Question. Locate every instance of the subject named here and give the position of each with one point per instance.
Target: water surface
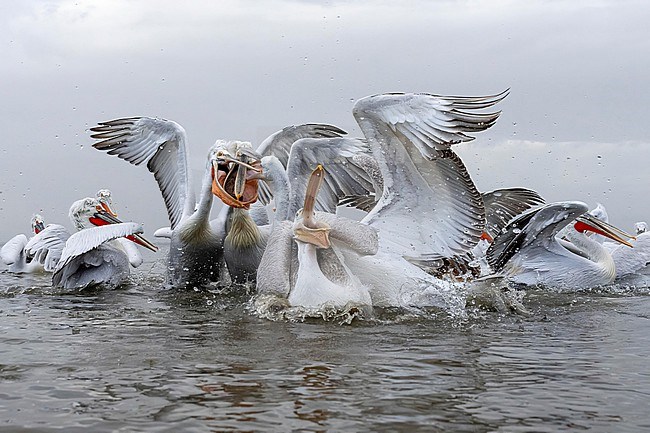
(142, 358)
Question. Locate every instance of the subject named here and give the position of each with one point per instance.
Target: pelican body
(428, 208)
(196, 246)
(548, 247)
(302, 265)
(13, 252)
(91, 256)
(283, 164)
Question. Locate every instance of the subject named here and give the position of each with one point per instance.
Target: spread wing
(533, 233)
(47, 246)
(162, 145)
(85, 240)
(502, 205)
(430, 207)
(13, 250)
(344, 177)
(279, 145)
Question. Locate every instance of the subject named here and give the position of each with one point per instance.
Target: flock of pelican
(428, 237)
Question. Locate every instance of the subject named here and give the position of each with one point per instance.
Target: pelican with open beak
(92, 255)
(235, 173)
(588, 223)
(104, 215)
(549, 247)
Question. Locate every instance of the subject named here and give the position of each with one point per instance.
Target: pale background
(574, 126)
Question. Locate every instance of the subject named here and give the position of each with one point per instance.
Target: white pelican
(429, 207)
(298, 148)
(196, 246)
(547, 246)
(87, 257)
(632, 264)
(13, 252)
(130, 248)
(301, 266)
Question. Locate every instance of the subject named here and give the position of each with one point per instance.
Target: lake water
(146, 359)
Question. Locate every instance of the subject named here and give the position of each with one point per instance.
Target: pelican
(13, 252)
(547, 246)
(90, 256)
(632, 264)
(302, 266)
(283, 163)
(429, 208)
(130, 248)
(196, 246)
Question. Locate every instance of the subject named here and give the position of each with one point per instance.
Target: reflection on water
(143, 358)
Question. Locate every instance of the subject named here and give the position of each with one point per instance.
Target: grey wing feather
(47, 246)
(502, 205)
(279, 143)
(162, 145)
(430, 122)
(536, 227)
(343, 176)
(411, 135)
(85, 240)
(366, 202)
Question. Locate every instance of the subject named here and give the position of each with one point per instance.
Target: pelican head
(586, 222)
(89, 212)
(306, 228)
(599, 212)
(38, 224)
(105, 200)
(235, 172)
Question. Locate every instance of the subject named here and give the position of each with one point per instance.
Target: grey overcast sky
(575, 126)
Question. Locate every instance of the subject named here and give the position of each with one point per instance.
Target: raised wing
(13, 251)
(162, 145)
(279, 145)
(47, 246)
(85, 240)
(502, 205)
(366, 202)
(343, 178)
(534, 232)
(430, 208)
